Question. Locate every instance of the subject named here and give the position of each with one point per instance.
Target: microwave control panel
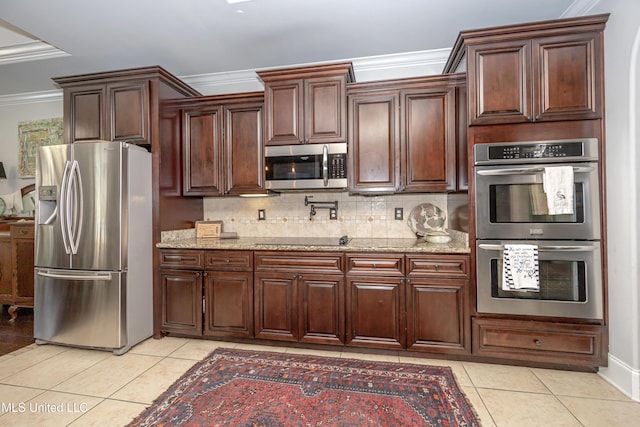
(338, 170)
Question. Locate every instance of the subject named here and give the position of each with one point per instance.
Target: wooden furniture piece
(228, 294)
(222, 144)
(543, 71)
(299, 296)
(306, 105)
(417, 302)
(129, 105)
(375, 300)
(17, 266)
(533, 82)
(404, 135)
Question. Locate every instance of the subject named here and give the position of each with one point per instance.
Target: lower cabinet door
(321, 308)
(182, 301)
(228, 304)
(275, 307)
(436, 316)
(375, 312)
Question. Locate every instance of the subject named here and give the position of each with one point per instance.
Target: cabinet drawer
(298, 262)
(438, 266)
(187, 259)
(376, 264)
(538, 341)
(229, 260)
(22, 231)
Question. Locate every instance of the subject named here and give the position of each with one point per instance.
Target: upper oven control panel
(537, 151)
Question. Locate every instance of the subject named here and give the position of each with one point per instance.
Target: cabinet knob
(537, 342)
(538, 117)
(373, 265)
(530, 118)
(437, 267)
(228, 261)
(23, 231)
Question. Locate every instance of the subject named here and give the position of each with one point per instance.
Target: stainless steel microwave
(306, 166)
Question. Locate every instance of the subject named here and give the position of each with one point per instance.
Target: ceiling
(41, 39)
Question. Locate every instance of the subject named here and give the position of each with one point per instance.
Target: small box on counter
(208, 229)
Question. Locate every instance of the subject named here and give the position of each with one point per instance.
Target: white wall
(622, 83)
(12, 112)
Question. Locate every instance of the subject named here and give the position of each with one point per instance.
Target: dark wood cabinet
(228, 294)
(299, 297)
(437, 304)
(544, 71)
(534, 341)
(16, 267)
(181, 291)
(222, 145)
(181, 301)
(306, 105)
(374, 149)
(276, 306)
(207, 293)
(117, 111)
(428, 135)
(375, 300)
(403, 135)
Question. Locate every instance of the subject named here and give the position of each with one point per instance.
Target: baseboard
(623, 377)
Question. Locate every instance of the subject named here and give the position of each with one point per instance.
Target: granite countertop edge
(354, 245)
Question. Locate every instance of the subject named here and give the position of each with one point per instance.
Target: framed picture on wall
(33, 134)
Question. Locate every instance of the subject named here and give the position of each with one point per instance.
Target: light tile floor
(50, 385)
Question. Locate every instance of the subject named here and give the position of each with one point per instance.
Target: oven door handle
(527, 171)
(564, 248)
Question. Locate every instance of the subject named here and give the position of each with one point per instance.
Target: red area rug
(248, 388)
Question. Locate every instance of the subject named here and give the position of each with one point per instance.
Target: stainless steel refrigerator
(93, 245)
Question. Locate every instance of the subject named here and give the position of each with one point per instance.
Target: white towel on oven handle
(520, 269)
(557, 182)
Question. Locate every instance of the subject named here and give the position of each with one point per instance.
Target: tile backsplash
(358, 216)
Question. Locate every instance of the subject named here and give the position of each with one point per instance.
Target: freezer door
(51, 170)
(80, 308)
(97, 223)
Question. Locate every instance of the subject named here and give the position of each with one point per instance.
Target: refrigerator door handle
(76, 216)
(64, 207)
(95, 277)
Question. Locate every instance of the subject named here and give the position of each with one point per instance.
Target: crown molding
(400, 65)
(579, 8)
(31, 51)
(31, 98)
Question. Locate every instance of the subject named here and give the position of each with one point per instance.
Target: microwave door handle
(568, 248)
(527, 171)
(325, 164)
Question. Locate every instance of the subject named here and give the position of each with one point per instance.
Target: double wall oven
(511, 211)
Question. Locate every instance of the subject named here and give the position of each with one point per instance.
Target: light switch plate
(333, 213)
(261, 215)
(398, 214)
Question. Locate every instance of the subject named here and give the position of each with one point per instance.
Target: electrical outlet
(261, 215)
(398, 214)
(333, 213)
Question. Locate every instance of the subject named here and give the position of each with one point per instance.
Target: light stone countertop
(456, 246)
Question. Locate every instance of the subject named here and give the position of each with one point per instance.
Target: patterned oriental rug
(264, 389)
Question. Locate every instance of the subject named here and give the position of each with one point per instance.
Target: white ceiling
(194, 37)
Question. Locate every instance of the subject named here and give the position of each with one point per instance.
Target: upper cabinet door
(566, 68)
(201, 156)
(500, 82)
(129, 103)
(374, 149)
(284, 101)
(85, 113)
(428, 133)
(325, 110)
(244, 171)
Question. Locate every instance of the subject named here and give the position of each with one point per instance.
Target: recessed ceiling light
(237, 1)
